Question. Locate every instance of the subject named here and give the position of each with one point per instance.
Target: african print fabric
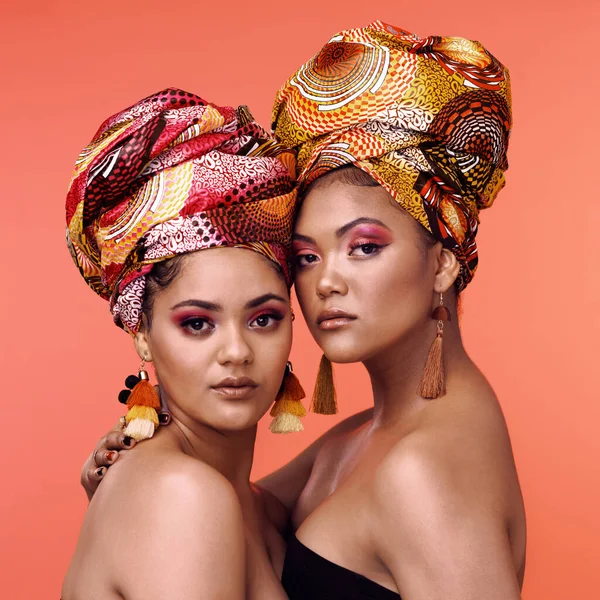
(169, 175)
(429, 119)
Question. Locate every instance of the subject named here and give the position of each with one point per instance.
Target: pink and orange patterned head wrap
(169, 175)
(429, 119)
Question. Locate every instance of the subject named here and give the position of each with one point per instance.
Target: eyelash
(270, 315)
(187, 324)
(299, 258)
(377, 248)
(359, 244)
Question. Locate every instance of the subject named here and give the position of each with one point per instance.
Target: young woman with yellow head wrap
(400, 142)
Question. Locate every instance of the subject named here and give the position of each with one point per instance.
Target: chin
(343, 349)
(234, 424)
(235, 417)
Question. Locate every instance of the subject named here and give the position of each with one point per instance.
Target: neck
(229, 452)
(396, 372)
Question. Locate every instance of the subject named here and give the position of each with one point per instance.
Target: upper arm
(440, 528)
(187, 541)
(287, 483)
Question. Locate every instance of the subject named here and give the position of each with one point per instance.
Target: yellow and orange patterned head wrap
(169, 175)
(429, 119)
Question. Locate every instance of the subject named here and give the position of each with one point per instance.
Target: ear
(447, 271)
(142, 344)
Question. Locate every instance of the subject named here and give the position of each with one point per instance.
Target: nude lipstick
(334, 318)
(235, 387)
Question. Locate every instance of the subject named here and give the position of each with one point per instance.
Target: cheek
(391, 293)
(397, 275)
(306, 292)
(272, 351)
(301, 288)
(398, 289)
(179, 361)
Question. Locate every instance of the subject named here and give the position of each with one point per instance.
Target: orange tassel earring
(433, 382)
(288, 410)
(324, 401)
(142, 402)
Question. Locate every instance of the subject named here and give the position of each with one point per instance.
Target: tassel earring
(142, 402)
(324, 401)
(433, 382)
(288, 409)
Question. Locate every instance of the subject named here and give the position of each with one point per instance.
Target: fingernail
(164, 418)
(127, 440)
(100, 472)
(110, 456)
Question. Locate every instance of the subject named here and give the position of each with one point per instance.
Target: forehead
(228, 276)
(333, 204)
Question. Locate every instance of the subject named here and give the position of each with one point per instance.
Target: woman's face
(220, 337)
(365, 273)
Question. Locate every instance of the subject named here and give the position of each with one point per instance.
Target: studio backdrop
(531, 317)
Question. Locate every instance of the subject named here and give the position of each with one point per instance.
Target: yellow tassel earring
(433, 382)
(142, 402)
(288, 410)
(324, 401)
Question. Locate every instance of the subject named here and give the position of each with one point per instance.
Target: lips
(334, 318)
(235, 387)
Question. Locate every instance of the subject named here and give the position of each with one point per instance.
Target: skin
(441, 513)
(180, 511)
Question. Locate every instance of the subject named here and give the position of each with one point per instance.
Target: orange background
(530, 316)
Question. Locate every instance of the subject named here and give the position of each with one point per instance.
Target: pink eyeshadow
(372, 232)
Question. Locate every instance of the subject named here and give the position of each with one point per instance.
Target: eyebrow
(343, 229)
(264, 298)
(199, 304)
(213, 306)
(302, 238)
(360, 221)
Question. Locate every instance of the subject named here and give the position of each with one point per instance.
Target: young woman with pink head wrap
(180, 214)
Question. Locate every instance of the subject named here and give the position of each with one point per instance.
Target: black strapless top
(308, 576)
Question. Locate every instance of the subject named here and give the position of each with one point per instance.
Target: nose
(330, 281)
(234, 349)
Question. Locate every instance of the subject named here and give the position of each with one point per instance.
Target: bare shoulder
(449, 490)
(189, 496)
(173, 492)
(171, 520)
(186, 474)
(460, 447)
(187, 518)
(160, 480)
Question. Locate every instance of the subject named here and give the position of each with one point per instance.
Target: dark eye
(369, 248)
(303, 260)
(365, 249)
(266, 320)
(263, 320)
(196, 325)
